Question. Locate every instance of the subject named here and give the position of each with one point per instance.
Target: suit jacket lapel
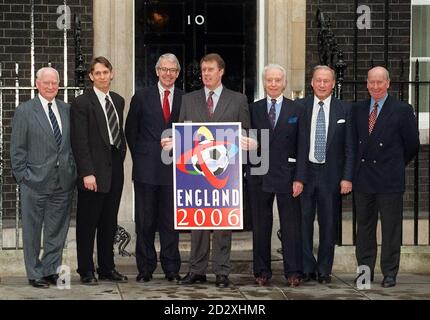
(43, 120)
(283, 116)
(262, 108)
(175, 107)
(222, 104)
(100, 116)
(155, 101)
(64, 122)
(309, 106)
(201, 105)
(333, 116)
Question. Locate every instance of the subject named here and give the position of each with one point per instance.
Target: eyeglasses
(165, 70)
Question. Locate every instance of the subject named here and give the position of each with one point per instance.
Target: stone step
(415, 259)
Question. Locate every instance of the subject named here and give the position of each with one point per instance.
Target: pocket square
(292, 120)
(341, 121)
(291, 160)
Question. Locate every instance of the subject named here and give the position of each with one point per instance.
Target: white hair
(276, 66)
(41, 72)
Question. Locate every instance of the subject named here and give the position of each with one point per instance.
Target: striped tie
(113, 123)
(55, 127)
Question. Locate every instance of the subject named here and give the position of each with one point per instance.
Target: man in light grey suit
(43, 166)
(213, 103)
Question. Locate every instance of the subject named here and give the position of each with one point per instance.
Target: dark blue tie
(55, 127)
(272, 113)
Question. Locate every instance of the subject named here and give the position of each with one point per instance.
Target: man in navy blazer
(282, 120)
(330, 170)
(152, 110)
(387, 137)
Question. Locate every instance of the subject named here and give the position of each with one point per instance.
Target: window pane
(424, 90)
(420, 34)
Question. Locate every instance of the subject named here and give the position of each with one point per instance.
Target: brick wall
(15, 31)
(370, 42)
(370, 48)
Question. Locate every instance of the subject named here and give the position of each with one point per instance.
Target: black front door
(192, 28)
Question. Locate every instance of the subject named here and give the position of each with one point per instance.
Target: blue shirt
(380, 104)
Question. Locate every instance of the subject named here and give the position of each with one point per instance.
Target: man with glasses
(152, 110)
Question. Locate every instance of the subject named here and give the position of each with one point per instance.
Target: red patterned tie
(210, 104)
(166, 106)
(372, 117)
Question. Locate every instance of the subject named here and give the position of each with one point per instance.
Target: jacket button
(374, 161)
(381, 144)
(360, 141)
(362, 160)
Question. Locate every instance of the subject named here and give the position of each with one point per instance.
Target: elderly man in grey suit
(213, 103)
(43, 166)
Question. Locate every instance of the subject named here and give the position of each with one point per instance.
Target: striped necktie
(113, 123)
(55, 126)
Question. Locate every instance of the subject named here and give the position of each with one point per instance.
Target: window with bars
(420, 51)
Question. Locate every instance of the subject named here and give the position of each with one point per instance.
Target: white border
(174, 125)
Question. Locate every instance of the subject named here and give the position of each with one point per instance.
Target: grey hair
(41, 71)
(386, 72)
(271, 66)
(323, 67)
(168, 56)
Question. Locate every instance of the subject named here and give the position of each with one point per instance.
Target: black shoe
(309, 276)
(38, 283)
(324, 278)
(51, 279)
(172, 276)
(143, 277)
(388, 282)
(89, 279)
(222, 281)
(113, 276)
(191, 278)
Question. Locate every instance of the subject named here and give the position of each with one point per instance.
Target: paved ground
(409, 287)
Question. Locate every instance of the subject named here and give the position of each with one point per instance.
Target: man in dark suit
(387, 139)
(282, 120)
(43, 166)
(213, 103)
(330, 171)
(99, 148)
(152, 111)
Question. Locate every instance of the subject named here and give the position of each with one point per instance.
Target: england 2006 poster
(207, 162)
